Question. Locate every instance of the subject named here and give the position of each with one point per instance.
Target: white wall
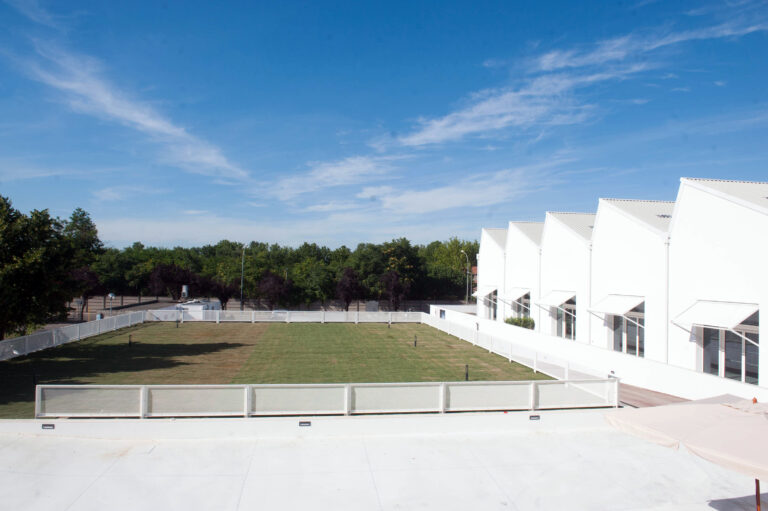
(599, 362)
(565, 266)
(719, 251)
(629, 258)
(490, 267)
(523, 258)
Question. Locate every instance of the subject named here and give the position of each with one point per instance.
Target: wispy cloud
(543, 101)
(35, 12)
(79, 79)
(621, 48)
(323, 175)
(124, 192)
(327, 207)
(547, 97)
(479, 190)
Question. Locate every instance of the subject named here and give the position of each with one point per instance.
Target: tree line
(46, 262)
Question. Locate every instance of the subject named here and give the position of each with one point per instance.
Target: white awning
(555, 298)
(617, 305)
(725, 315)
(484, 291)
(515, 293)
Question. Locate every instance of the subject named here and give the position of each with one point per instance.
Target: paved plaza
(565, 460)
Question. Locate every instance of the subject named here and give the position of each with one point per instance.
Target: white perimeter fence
(226, 316)
(144, 401)
(554, 366)
(19, 346)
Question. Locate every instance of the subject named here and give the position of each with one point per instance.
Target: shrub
(522, 322)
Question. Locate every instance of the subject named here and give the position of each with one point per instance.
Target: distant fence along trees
(46, 262)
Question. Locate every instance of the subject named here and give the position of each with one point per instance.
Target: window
(492, 302)
(628, 332)
(732, 354)
(442, 313)
(522, 306)
(565, 319)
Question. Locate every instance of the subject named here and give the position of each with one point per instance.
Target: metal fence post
(218, 316)
(390, 319)
(322, 318)
(181, 315)
(253, 316)
(143, 398)
(616, 392)
(443, 397)
(357, 317)
(38, 400)
(248, 401)
(347, 399)
(288, 316)
(533, 395)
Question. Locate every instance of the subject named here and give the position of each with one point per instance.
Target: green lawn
(253, 353)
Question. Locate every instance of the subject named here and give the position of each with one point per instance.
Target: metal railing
(146, 401)
(18, 346)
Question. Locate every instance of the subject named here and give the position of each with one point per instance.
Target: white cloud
(542, 102)
(720, 83)
(35, 12)
(194, 212)
(79, 78)
(124, 192)
(322, 175)
(623, 47)
(373, 192)
(326, 207)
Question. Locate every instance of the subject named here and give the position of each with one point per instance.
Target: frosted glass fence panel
(298, 399)
(88, 401)
(473, 396)
(576, 394)
(389, 397)
(191, 401)
(317, 399)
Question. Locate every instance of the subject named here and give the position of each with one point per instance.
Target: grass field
(252, 353)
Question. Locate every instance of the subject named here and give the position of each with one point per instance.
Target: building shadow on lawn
(77, 364)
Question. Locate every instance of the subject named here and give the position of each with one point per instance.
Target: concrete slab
(565, 460)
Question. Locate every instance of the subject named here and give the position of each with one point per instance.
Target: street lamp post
(242, 274)
(466, 300)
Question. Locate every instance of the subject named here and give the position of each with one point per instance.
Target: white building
(677, 283)
(565, 275)
(522, 283)
(490, 272)
(630, 255)
(719, 279)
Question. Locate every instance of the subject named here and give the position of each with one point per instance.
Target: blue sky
(182, 123)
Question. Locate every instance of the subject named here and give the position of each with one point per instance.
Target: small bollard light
(466, 372)
(130, 339)
(177, 323)
(415, 339)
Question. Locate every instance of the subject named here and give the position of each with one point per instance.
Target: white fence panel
(390, 398)
(88, 401)
(19, 346)
(195, 401)
(339, 316)
(318, 399)
(473, 396)
(298, 399)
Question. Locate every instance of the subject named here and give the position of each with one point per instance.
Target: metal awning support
(556, 299)
(617, 305)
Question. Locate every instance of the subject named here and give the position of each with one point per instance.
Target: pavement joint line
(373, 476)
(90, 485)
(247, 473)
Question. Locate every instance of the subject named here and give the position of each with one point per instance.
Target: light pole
(466, 300)
(242, 274)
